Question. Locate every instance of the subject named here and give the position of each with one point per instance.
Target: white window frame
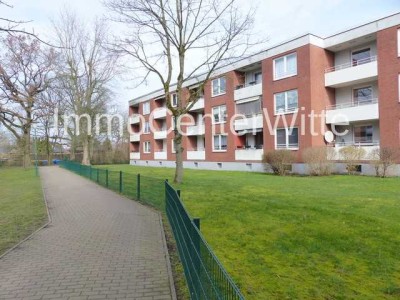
(398, 42)
(287, 110)
(218, 81)
(220, 115)
(398, 86)
(146, 147)
(286, 75)
(353, 99)
(219, 138)
(174, 100)
(146, 127)
(146, 108)
(287, 146)
(173, 148)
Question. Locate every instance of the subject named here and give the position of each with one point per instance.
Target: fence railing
(205, 275)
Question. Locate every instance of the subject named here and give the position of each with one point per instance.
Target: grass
(22, 209)
(335, 237)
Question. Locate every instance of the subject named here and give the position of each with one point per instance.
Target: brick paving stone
(99, 245)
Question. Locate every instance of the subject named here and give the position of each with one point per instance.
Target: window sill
(212, 96)
(287, 148)
(284, 77)
(286, 112)
(219, 151)
(217, 123)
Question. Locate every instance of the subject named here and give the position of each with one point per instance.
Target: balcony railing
(198, 129)
(353, 104)
(196, 154)
(252, 83)
(287, 146)
(134, 155)
(351, 64)
(359, 143)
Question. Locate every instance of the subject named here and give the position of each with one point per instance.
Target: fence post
(196, 222)
(138, 187)
(106, 177)
(120, 181)
(179, 193)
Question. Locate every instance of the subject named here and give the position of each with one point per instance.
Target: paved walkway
(99, 245)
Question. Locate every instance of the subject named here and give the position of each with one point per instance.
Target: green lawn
(22, 209)
(335, 237)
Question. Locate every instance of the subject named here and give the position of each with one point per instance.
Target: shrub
(278, 161)
(319, 160)
(352, 155)
(382, 159)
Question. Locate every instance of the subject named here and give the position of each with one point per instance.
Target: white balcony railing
(199, 105)
(195, 130)
(160, 155)
(160, 135)
(196, 154)
(351, 73)
(352, 112)
(249, 154)
(368, 146)
(248, 91)
(134, 155)
(249, 123)
(160, 113)
(135, 137)
(351, 64)
(134, 119)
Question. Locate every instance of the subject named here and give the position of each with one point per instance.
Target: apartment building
(289, 96)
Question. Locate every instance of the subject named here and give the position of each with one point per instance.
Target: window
(287, 138)
(146, 127)
(249, 108)
(360, 57)
(363, 134)
(218, 86)
(146, 108)
(146, 147)
(258, 77)
(219, 113)
(285, 66)
(286, 102)
(174, 100)
(220, 142)
(362, 95)
(173, 146)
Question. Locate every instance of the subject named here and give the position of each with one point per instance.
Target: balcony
(248, 91)
(195, 130)
(196, 155)
(160, 135)
(160, 155)
(134, 155)
(369, 147)
(160, 113)
(134, 119)
(351, 112)
(352, 73)
(249, 154)
(135, 137)
(199, 105)
(249, 123)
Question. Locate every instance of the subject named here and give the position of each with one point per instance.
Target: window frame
(359, 50)
(224, 120)
(286, 111)
(287, 144)
(174, 97)
(359, 88)
(173, 148)
(144, 147)
(146, 127)
(284, 57)
(364, 143)
(146, 108)
(219, 135)
(219, 86)
(398, 42)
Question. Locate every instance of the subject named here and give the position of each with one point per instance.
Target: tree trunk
(72, 149)
(86, 151)
(179, 161)
(26, 148)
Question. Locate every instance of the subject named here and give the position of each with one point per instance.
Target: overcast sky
(279, 20)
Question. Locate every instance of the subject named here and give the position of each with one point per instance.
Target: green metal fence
(205, 275)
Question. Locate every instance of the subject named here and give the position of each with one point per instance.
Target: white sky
(278, 20)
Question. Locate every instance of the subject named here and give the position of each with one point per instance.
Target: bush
(382, 159)
(352, 155)
(319, 160)
(278, 161)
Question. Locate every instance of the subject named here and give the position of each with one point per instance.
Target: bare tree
(26, 70)
(168, 37)
(84, 76)
(382, 159)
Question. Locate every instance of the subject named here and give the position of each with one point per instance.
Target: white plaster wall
(344, 56)
(345, 94)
